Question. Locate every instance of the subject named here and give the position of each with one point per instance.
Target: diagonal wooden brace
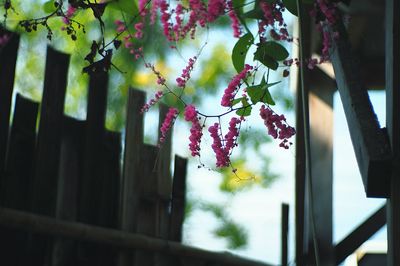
(370, 142)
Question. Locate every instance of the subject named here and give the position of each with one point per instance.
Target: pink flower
(139, 30)
(196, 133)
(185, 76)
(220, 153)
(231, 90)
(232, 135)
(215, 9)
(168, 122)
(152, 102)
(70, 12)
(120, 26)
(277, 126)
(235, 24)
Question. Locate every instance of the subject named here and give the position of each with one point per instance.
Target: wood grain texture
(370, 143)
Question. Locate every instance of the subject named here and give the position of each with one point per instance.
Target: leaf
(236, 101)
(266, 60)
(256, 13)
(245, 110)
(269, 53)
(240, 50)
(238, 6)
(274, 50)
(260, 93)
(49, 7)
(291, 6)
(128, 6)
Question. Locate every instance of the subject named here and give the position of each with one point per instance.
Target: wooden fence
(66, 174)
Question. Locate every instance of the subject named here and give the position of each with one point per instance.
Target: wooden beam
(393, 125)
(284, 233)
(370, 143)
(359, 235)
(115, 238)
(8, 60)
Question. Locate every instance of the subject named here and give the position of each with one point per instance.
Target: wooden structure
(358, 64)
(65, 199)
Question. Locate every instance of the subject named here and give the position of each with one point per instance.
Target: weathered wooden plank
(321, 134)
(370, 144)
(44, 187)
(284, 233)
(301, 207)
(164, 184)
(148, 208)
(178, 199)
(70, 172)
(164, 180)
(130, 184)
(359, 235)
(111, 237)
(392, 58)
(18, 176)
(91, 184)
(8, 60)
(177, 214)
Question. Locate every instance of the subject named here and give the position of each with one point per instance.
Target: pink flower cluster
(198, 14)
(235, 24)
(329, 11)
(273, 18)
(277, 126)
(232, 135)
(152, 102)
(168, 122)
(233, 86)
(196, 133)
(70, 12)
(185, 76)
(222, 152)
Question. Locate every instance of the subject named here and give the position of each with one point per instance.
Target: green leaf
(238, 6)
(245, 110)
(256, 13)
(260, 93)
(273, 49)
(269, 53)
(240, 50)
(128, 6)
(291, 6)
(266, 60)
(49, 7)
(236, 101)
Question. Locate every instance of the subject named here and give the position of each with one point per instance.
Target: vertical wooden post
(48, 146)
(130, 185)
(8, 60)
(318, 154)
(178, 199)
(321, 134)
(393, 126)
(93, 177)
(164, 184)
(284, 233)
(70, 172)
(15, 187)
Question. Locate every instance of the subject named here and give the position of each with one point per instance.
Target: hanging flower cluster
(277, 126)
(195, 130)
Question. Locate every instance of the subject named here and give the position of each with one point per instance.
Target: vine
(180, 20)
